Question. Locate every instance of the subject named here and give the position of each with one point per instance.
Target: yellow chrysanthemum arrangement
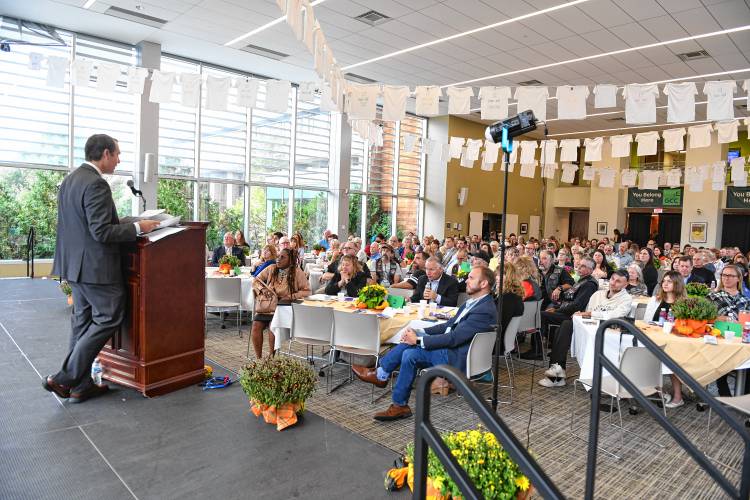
(494, 474)
(372, 295)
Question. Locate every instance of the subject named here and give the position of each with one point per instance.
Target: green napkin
(396, 301)
(723, 326)
(465, 266)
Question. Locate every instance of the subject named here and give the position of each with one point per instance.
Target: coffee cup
(341, 296)
(729, 336)
(667, 328)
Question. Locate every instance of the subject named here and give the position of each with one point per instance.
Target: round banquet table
(246, 292)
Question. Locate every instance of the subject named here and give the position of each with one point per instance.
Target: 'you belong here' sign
(738, 197)
(655, 198)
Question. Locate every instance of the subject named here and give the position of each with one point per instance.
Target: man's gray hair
(589, 262)
(548, 253)
(436, 261)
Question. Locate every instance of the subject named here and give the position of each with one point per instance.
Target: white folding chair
(354, 334)
(401, 292)
(479, 355)
(311, 326)
(224, 294)
(509, 340)
(531, 320)
(643, 369)
(739, 403)
(462, 298)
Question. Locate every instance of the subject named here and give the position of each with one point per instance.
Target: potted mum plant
(692, 316)
(372, 297)
(487, 464)
(65, 288)
(697, 289)
(229, 264)
(278, 388)
(317, 248)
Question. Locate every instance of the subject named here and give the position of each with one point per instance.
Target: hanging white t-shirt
(646, 143)
(362, 101)
(571, 102)
(217, 93)
(549, 150)
(320, 50)
(409, 142)
(161, 87)
(56, 69)
(491, 152)
(680, 101)
(472, 148)
(533, 98)
(136, 79)
(306, 91)
(640, 102)
(80, 72)
(35, 61)
(294, 17)
(650, 179)
(394, 102)
(673, 177)
(720, 96)
(494, 102)
(191, 89)
(607, 177)
(569, 149)
(428, 100)
(628, 177)
(456, 144)
(459, 100)
(107, 74)
(605, 95)
(528, 152)
(588, 173)
(593, 147)
(727, 131)
(528, 170)
(568, 173)
(247, 92)
(375, 133)
(700, 136)
(277, 95)
(621, 145)
(309, 36)
(466, 161)
(674, 139)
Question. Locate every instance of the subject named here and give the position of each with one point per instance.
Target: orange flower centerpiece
(277, 388)
(229, 264)
(692, 316)
(372, 297)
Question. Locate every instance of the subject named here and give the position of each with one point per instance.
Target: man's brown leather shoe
(50, 385)
(369, 375)
(394, 412)
(91, 392)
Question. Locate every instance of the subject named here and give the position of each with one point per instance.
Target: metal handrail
(601, 362)
(425, 435)
(30, 247)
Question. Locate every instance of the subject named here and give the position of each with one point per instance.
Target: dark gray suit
(87, 255)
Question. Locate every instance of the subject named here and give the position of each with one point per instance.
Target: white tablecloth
(246, 286)
(582, 347)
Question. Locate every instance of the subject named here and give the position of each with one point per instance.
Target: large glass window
(271, 139)
(177, 127)
(310, 209)
(176, 197)
(313, 145)
(268, 211)
(378, 216)
(222, 205)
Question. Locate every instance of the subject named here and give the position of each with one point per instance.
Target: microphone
(136, 192)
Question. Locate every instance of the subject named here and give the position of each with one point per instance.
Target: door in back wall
(578, 224)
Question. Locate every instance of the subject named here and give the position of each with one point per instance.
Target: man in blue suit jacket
(446, 343)
(224, 249)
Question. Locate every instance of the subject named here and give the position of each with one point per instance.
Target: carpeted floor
(645, 471)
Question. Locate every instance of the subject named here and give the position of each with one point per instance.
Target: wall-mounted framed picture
(698, 232)
(524, 228)
(601, 228)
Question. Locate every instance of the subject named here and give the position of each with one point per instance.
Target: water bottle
(746, 333)
(670, 316)
(96, 371)
(662, 316)
(713, 286)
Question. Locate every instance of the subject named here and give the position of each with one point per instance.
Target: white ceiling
(200, 28)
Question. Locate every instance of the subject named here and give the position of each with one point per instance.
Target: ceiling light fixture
(605, 54)
(88, 4)
(465, 33)
(264, 27)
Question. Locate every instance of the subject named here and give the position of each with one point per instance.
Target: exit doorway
(664, 227)
(578, 224)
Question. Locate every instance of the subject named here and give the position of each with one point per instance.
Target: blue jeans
(411, 359)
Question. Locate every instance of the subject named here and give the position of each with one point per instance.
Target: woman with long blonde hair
(528, 273)
(512, 295)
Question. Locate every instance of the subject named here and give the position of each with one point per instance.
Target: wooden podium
(160, 345)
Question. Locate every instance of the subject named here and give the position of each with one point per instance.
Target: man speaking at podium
(87, 255)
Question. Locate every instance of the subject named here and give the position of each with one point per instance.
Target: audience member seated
(604, 304)
(449, 251)
(434, 250)
(575, 299)
(445, 343)
(398, 249)
(298, 245)
(416, 271)
(284, 280)
(650, 274)
(528, 274)
(555, 279)
(227, 248)
(623, 258)
(635, 286)
(436, 286)
(348, 248)
(602, 271)
(685, 267)
(700, 272)
(513, 293)
(349, 277)
(267, 257)
(385, 269)
(462, 259)
(326, 238)
(239, 240)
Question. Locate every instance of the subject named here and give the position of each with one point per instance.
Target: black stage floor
(188, 444)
